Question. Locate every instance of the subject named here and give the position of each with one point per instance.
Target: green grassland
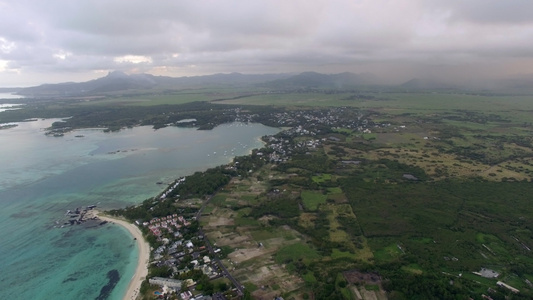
(321, 178)
(311, 199)
(292, 99)
(400, 103)
(168, 96)
(296, 252)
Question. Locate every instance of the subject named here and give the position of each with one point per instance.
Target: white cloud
(134, 59)
(6, 46)
(61, 54)
(170, 36)
(3, 65)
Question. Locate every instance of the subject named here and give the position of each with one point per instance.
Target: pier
(81, 215)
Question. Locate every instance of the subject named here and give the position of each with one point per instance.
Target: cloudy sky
(64, 40)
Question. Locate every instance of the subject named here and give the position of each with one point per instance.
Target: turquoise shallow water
(41, 177)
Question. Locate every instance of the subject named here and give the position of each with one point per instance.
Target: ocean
(43, 176)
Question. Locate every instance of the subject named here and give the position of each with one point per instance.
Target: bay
(43, 176)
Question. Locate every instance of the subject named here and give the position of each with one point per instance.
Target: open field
(311, 200)
(255, 249)
(169, 96)
(515, 107)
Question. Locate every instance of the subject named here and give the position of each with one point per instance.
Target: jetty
(81, 215)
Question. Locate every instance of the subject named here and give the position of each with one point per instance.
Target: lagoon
(43, 176)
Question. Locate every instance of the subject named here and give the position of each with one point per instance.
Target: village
(182, 257)
(185, 261)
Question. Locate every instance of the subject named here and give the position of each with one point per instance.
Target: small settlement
(188, 260)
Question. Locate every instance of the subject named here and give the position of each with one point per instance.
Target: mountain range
(117, 81)
(120, 82)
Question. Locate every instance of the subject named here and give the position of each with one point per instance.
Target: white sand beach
(144, 256)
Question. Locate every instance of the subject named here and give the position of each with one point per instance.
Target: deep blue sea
(41, 177)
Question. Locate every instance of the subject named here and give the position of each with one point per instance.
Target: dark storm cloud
(489, 12)
(60, 38)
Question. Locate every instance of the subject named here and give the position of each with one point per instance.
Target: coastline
(144, 255)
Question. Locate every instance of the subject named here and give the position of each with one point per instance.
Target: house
(351, 162)
(409, 177)
(186, 295)
(512, 289)
(488, 273)
(168, 282)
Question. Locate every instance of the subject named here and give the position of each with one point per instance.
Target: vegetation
(409, 204)
(411, 192)
(312, 200)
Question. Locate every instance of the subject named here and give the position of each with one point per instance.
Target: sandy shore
(144, 256)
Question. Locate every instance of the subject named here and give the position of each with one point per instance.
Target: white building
(171, 283)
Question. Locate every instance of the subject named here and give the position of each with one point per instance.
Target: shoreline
(144, 255)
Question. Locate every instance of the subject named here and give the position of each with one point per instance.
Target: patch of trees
(328, 282)
(398, 169)
(318, 233)
(202, 281)
(115, 117)
(202, 183)
(350, 225)
(162, 271)
(403, 285)
(337, 151)
(386, 170)
(362, 97)
(316, 163)
(282, 207)
(151, 208)
(243, 164)
(140, 212)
